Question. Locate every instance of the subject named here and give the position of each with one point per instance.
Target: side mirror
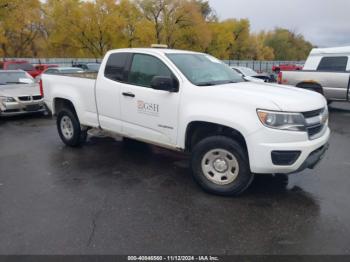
(165, 83)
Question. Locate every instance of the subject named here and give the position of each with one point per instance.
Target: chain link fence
(259, 66)
(262, 66)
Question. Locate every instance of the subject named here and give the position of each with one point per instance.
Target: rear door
(108, 89)
(149, 114)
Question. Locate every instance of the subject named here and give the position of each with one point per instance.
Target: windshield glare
(204, 70)
(14, 78)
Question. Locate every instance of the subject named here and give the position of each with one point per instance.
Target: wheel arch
(198, 130)
(59, 103)
(311, 85)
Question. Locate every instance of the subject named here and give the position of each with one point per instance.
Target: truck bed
(79, 88)
(335, 85)
(89, 75)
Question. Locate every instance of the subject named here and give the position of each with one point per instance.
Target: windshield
(15, 78)
(204, 70)
(23, 66)
(247, 71)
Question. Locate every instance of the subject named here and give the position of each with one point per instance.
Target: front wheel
(69, 129)
(220, 165)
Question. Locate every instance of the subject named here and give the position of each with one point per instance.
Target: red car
(23, 65)
(286, 67)
(42, 67)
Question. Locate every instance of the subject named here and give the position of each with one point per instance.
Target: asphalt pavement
(112, 197)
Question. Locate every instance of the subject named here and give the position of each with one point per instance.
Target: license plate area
(31, 108)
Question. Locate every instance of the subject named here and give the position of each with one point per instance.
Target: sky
(325, 23)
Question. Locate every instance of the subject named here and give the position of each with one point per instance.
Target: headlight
(6, 99)
(282, 121)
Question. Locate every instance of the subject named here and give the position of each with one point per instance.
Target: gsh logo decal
(147, 108)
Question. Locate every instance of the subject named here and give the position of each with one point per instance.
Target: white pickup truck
(326, 71)
(193, 102)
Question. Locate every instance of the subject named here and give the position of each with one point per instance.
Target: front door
(149, 114)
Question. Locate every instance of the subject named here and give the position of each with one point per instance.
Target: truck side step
(97, 132)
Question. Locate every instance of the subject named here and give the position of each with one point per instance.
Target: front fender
(241, 119)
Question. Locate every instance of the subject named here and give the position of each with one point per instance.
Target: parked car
(326, 71)
(42, 67)
(63, 70)
(19, 94)
(91, 67)
(251, 75)
(20, 65)
(286, 67)
(193, 102)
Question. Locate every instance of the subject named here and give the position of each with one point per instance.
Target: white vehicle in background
(193, 102)
(326, 71)
(19, 94)
(251, 75)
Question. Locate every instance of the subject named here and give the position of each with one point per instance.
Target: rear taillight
(41, 88)
(279, 78)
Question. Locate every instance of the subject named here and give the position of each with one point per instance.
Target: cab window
(144, 68)
(115, 67)
(333, 64)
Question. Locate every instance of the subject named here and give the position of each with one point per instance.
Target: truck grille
(314, 124)
(312, 131)
(313, 113)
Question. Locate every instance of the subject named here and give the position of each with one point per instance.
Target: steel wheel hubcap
(220, 166)
(67, 127)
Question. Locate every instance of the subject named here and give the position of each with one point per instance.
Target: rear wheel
(220, 165)
(69, 128)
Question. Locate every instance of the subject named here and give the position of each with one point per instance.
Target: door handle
(128, 94)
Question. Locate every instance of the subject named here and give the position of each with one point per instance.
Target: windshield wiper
(206, 84)
(217, 83)
(229, 82)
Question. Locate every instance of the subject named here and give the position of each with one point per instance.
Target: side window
(115, 67)
(333, 64)
(144, 68)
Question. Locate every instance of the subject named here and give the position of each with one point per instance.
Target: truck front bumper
(308, 153)
(314, 158)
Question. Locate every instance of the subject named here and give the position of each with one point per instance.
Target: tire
(69, 128)
(226, 173)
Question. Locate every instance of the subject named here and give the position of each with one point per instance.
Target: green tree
(288, 45)
(19, 27)
(81, 28)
